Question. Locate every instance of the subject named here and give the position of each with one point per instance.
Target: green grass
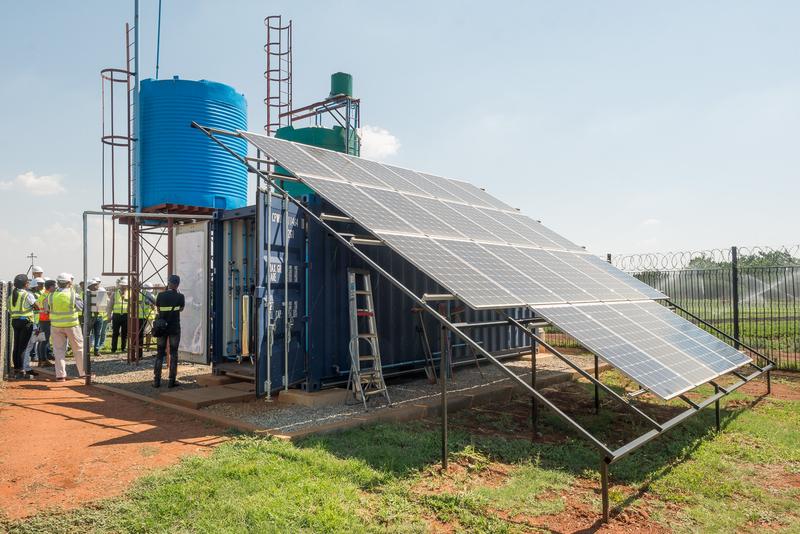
(385, 478)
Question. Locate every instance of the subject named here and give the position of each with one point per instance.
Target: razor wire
(700, 259)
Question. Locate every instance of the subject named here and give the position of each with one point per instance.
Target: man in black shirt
(169, 304)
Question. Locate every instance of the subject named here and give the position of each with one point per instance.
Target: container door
(281, 311)
(190, 253)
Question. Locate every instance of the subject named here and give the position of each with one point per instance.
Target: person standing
(31, 351)
(43, 348)
(97, 308)
(21, 305)
(37, 272)
(169, 304)
(64, 306)
(118, 309)
(146, 303)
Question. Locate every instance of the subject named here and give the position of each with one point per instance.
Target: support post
(87, 313)
(735, 293)
(596, 385)
(443, 367)
(716, 408)
(604, 488)
(534, 401)
(287, 335)
(769, 382)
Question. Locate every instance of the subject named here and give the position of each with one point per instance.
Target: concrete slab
(214, 380)
(201, 397)
(313, 399)
(242, 386)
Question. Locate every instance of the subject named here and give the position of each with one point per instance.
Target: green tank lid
(341, 84)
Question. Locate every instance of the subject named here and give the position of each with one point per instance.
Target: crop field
(386, 478)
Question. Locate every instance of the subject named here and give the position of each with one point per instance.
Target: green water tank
(330, 138)
(341, 84)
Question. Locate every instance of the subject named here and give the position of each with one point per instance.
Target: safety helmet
(39, 280)
(37, 269)
(64, 277)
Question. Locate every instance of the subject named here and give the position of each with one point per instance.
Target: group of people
(43, 310)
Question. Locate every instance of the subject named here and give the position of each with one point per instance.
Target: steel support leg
(596, 386)
(769, 382)
(534, 401)
(604, 488)
(443, 365)
(716, 408)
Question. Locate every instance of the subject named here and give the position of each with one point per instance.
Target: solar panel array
(445, 226)
(491, 257)
(663, 352)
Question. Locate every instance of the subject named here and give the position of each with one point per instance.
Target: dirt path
(64, 444)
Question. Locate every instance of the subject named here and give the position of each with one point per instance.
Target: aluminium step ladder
(366, 374)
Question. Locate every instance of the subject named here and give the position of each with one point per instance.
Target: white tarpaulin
(190, 253)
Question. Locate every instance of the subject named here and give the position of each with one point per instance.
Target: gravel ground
(114, 370)
(287, 418)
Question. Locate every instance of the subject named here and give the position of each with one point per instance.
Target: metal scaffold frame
(608, 455)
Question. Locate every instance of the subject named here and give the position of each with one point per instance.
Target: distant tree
(772, 258)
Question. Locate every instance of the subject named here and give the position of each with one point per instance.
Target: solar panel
(482, 197)
(359, 206)
(451, 272)
(619, 352)
(649, 343)
(648, 291)
(562, 289)
(449, 213)
(290, 156)
(423, 220)
(343, 167)
(419, 182)
(542, 268)
(512, 280)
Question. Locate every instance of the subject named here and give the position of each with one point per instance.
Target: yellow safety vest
(121, 302)
(144, 307)
(63, 311)
(40, 301)
(21, 308)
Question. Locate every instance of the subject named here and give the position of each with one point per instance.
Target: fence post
(608, 257)
(735, 292)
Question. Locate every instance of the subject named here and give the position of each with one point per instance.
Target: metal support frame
(132, 218)
(609, 455)
(444, 349)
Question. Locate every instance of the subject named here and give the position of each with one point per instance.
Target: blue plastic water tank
(179, 164)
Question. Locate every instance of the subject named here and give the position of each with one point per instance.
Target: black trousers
(142, 325)
(22, 335)
(174, 341)
(44, 350)
(119, 325)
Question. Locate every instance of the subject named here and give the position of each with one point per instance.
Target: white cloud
(378, 143)
(651, 222)
(31, 184)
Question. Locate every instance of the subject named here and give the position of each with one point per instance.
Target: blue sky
(626, 126)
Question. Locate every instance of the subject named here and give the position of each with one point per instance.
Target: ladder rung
(365, 313)
(373, 392)
(367, 357)
(368, 336)
(363, 292)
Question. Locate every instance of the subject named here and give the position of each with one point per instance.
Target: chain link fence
(5, 338)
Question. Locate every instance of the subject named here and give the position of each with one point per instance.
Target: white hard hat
(122, 281)
(94, 281)
(39, 280)
(37, 269)
(147, 285)
(64, 277)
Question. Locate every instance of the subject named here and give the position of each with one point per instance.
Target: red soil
(63, 444)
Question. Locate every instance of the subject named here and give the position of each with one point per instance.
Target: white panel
(190, 260)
